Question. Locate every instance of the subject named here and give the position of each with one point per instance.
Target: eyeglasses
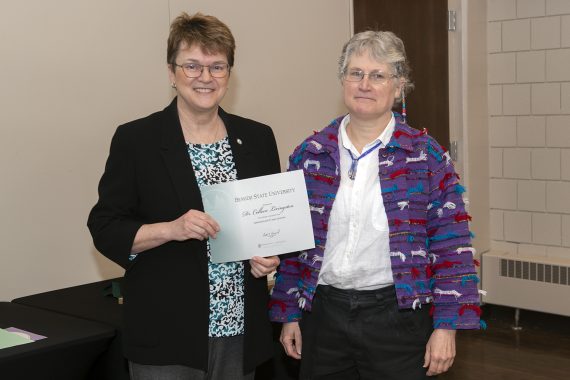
(194, 70)
(376, 77)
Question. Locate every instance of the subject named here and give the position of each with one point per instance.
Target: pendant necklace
(354, 164)
(209, 140)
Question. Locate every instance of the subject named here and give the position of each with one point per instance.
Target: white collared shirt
(357, 251)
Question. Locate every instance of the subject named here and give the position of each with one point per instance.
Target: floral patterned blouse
(214, 163)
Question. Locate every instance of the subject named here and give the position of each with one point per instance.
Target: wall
(72, 71)
(529, 126)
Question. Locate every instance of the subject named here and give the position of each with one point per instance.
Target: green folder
(9, 339)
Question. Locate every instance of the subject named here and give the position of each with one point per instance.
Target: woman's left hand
(262, 266)
(440, 351)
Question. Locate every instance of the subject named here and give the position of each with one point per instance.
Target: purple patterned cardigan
(430, 249)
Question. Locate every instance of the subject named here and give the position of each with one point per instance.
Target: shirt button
(388, 196)
(384, 172)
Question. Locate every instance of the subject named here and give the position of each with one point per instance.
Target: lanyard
(354, 165)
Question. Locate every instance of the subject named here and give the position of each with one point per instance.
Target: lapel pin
(239, 141)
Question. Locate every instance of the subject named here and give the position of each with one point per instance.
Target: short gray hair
(383, 46)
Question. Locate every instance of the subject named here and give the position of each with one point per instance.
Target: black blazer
(149, 178)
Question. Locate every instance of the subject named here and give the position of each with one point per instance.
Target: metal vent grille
(554, 274)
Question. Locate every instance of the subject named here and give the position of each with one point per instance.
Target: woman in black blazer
(184, 316)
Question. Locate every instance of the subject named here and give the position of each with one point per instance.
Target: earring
(404, 114)
(173, 85)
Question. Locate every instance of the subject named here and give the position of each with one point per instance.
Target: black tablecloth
(69, 351)
(93, 302)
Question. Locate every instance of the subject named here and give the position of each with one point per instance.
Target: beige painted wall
(72, 71)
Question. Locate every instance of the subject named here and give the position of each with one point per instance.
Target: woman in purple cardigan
(392, 276)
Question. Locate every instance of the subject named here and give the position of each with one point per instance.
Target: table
(71, 348)
(89, 302)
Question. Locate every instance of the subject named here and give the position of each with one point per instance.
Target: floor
(539, 351)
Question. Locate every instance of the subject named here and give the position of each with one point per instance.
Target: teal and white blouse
(214, 163)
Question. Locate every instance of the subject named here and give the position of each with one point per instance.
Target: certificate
(262, 216)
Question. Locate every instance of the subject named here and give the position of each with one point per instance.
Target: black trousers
(363, 335)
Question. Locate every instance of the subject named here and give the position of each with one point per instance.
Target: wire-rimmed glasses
(194, 70)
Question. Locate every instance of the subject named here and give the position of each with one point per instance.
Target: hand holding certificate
(262, 216)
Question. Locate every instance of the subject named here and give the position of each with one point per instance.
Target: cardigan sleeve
(112, 221)
(454, 277)
(283, 306)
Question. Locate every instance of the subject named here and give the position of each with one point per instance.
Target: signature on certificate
(271, 234)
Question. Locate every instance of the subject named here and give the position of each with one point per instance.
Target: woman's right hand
(194, 224)
(291, 339)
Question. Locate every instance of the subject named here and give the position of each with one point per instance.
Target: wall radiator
(537, 283)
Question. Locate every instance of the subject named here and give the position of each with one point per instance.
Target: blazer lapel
(244, 157)
(242, 147)
(178, 164)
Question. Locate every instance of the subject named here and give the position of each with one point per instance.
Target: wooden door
(422, 25)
